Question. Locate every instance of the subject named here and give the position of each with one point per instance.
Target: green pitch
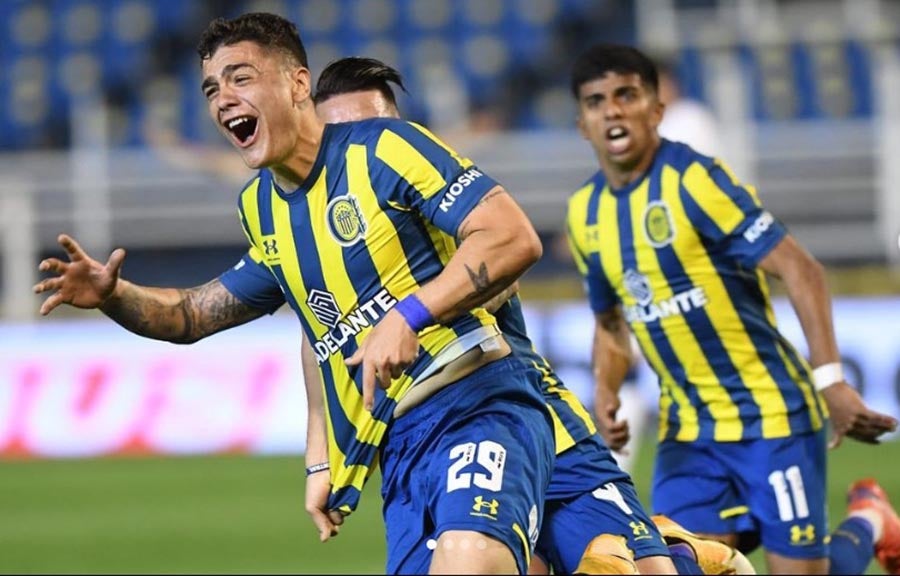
(232, 514)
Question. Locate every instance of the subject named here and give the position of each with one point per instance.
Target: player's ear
(657, 110)
(301, 84)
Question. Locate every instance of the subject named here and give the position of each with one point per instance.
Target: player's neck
(621, 176)
(291, 173)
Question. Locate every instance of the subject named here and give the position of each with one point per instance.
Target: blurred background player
(356, 88)
(686, 119)
(672, 246)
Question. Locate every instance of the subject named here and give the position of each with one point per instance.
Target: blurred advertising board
(83, 388)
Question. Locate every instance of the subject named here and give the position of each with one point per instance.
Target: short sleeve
(601, 295)
(729, 214)
(252, 283)
(433, 179)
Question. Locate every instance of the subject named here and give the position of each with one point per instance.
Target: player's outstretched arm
(318, 480)
(807, 287)
(611, 359)
(175, 315)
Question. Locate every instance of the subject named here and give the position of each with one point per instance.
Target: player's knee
(470, 552)
(607, 554)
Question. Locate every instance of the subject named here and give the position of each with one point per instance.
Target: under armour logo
(803, 535)
(481, 504)
(639, 529)
(271, 247)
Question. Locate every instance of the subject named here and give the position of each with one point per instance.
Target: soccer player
(673, 246)
(348, 220)
(589, 494)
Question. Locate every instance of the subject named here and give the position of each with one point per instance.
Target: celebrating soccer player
(351, 221)
(673, 246)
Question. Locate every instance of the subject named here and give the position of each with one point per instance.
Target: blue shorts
(605, 503)
(773, 489)
(475, 456)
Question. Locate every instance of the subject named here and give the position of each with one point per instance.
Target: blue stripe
(346, 496)
(264, 198)
(705, 333)
(436, 155)
(421, 256)
(593, 207)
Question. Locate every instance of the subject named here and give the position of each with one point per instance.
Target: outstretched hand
(852, 418)
(82, 281)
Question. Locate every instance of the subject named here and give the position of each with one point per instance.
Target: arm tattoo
(180, 316)
(479, 279)
(211, 308)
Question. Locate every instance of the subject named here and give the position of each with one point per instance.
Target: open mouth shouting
(617, 139)
(242, 129)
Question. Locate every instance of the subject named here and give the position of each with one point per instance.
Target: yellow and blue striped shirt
(375, 220)
(678, 248)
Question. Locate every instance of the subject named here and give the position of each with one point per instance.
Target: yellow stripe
(526, 545)
(463, 162)
(444, 244)
(564, 440)
(720, 208)
(734, 180)
(732, 512)
(251, 211)
(728, 327)
(410, 164)
(577, 226)
(255, 254)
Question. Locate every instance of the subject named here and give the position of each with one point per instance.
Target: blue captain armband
(415, 313)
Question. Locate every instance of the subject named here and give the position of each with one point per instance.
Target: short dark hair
(268, 30)
(356, 74)
(600, 59)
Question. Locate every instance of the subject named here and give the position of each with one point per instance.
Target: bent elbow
(529, 248)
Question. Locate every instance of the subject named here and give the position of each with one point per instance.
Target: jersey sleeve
(601, 295)
(729, 214)
(252, 283)
(426, 175)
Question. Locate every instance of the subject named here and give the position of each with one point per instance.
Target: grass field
(231, 514)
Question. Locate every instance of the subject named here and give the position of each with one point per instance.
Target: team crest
(345, 220)
(658, 224)
(638, 286)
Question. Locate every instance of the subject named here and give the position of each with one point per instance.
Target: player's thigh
(612, 508)
(787, 496)
(692, 486)
(489, 476)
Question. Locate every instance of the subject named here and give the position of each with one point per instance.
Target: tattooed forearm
(214, 308)
(479, 279)
(179, 316)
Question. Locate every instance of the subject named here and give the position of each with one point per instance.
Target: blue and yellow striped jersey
(571, 422)
(375, 219)
(678, 248)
